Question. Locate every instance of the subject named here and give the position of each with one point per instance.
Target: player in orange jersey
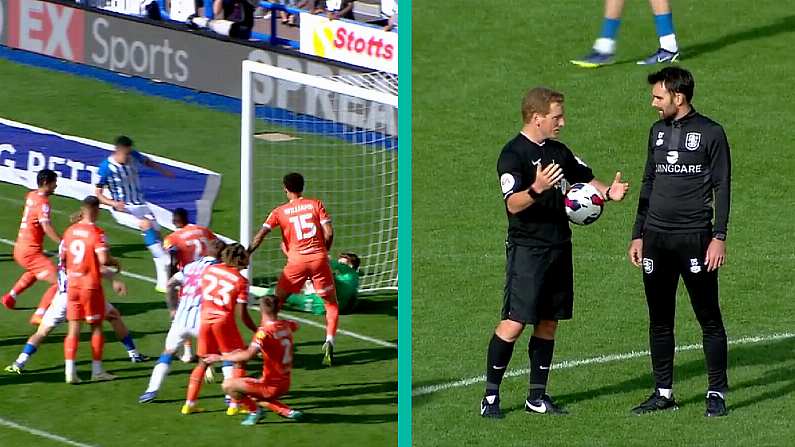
(85, 252)
(29, 248)
(274, 339)
(189, 242)
(307, 235)
(225, 294)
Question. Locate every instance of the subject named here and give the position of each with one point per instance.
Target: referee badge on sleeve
(507, 182)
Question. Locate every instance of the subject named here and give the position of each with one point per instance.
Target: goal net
(340, 133)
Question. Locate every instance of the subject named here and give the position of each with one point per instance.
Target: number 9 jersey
(79, 247)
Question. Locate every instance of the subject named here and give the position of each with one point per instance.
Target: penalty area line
(607, 358)
(41, 433)
(306, 321)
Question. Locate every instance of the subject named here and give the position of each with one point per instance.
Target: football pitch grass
(355, 401)
(472, 65)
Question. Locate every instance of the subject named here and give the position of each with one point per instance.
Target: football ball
(583, 204)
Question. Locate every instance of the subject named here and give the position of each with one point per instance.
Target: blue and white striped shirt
(62, 276)
(122, 179)
(190, 296)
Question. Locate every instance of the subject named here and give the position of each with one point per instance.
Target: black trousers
(666, 257)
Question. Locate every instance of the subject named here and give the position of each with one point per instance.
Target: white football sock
(227, 371)
(22, 359)
(665, 392)
(330, 339)
(668, 43)
(162, 264)
(70, 368)
(158, 374)
(96, 367)
(605, 45)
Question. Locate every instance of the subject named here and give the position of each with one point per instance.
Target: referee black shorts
(539, 283)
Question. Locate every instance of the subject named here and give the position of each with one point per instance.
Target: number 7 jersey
(301, 221)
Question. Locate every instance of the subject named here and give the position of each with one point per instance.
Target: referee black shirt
(544, 223)
(688, 160)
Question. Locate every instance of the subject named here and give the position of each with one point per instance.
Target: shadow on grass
(310, 359)
(377, 305)
(769, 355)
(128, 309)
(121, 251)
(782, 26)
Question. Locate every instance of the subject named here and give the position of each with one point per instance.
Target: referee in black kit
(688, 174)
(534, 170)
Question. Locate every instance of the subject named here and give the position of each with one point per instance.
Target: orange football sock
(277, 407)
(195, 382)
(332, 317)
(70, 347)
(26, 280)
(97, 345)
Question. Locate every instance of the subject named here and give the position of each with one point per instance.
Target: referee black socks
(540, 352)
(499, 355)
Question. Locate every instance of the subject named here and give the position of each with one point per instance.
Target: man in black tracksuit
(687, 180)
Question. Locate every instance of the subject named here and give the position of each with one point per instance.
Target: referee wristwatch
(719, 236)
(533, 194)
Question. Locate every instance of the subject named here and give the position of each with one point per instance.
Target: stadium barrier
(160, 51)
(25, 150)
(350, 42)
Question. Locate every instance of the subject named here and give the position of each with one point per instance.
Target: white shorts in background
(56, 313)
(178, 334)
(132, 213)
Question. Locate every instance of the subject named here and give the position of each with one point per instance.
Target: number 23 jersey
(222, 287)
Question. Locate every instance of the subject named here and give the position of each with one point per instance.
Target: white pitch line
(288, 315)
(430, 389)
(41, 433)
(64, 213)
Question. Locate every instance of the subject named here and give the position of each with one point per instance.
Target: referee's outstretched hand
(618, 189)
(547, 178)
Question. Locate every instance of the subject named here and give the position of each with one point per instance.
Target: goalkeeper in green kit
(346, 281)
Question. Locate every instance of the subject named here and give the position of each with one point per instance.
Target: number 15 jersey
(301, 222)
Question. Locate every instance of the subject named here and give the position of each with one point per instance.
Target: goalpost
(340, 132)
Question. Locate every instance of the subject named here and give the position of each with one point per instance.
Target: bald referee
(680, 230)
(535, 169)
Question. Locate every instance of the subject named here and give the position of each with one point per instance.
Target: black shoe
(491, 410)
(189, 22)
(655, 402)
(544, 405)
(716, 406)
